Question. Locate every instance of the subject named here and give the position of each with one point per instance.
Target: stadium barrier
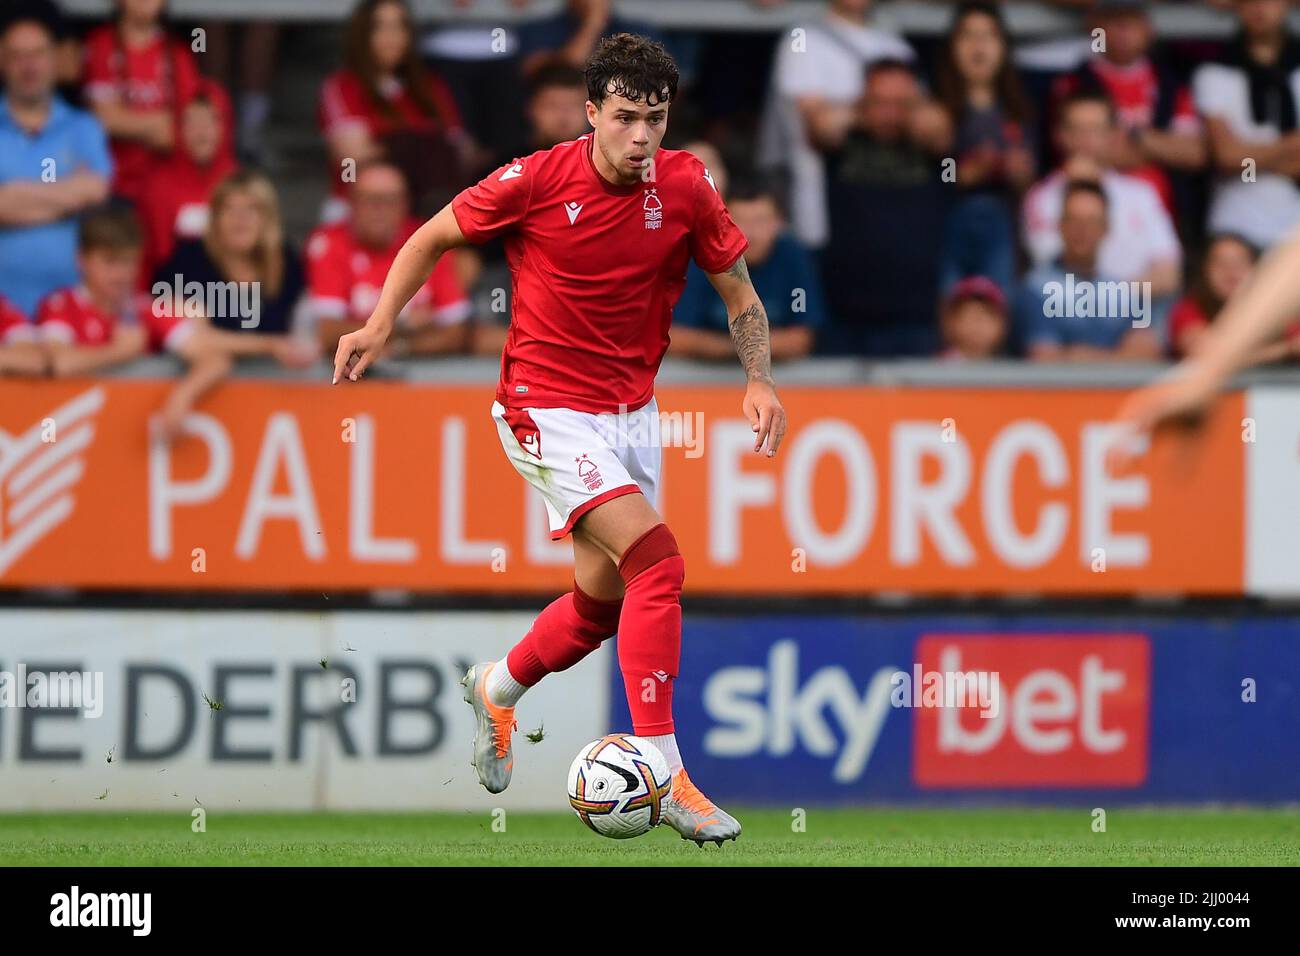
(923, 489)
(253, 710)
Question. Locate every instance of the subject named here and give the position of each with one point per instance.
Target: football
(618, 786)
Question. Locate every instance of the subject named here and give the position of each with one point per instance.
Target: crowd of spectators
(954, 197)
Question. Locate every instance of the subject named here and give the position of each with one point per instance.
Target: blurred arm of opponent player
(1260, 310)
(410, 270)
(749, 334)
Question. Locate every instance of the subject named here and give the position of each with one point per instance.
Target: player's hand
(766, 416)
(1181, 399)
(356, 351)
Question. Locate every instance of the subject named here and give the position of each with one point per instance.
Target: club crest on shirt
(654, 209)
(589, 473)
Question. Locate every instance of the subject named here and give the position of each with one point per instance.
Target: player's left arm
(753, 343)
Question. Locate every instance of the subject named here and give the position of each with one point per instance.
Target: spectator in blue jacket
(783, 275)
(54, 163)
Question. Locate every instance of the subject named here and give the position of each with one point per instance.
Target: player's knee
(598, 619)
(655, 554)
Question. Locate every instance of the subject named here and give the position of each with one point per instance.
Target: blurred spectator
(712, 159)
(995, 160)
(384, 104)
(1249, 105)
(783, 276)
(257, 42)
(54, 162)
(137, 76)
(18, 349)
(1155, 112)
(1229, 261)
(556, 111)
(97, 323)
(887, 205)
(244, 244)
(1141, 244)
(973, 319)
(1065, 308)
(817, 80)
(176, 204)
(570, 35)
(348, 261)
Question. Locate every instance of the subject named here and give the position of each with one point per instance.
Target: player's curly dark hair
(632, 66)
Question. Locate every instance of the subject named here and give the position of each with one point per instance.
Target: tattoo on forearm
(753, 347)
(749, 332)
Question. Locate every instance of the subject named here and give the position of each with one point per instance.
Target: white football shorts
(578, 460)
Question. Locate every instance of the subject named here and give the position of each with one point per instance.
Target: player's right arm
(410, 270)
(1258, 313)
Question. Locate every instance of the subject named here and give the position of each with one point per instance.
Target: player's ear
(592, 112)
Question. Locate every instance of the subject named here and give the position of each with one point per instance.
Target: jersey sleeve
(716, 240)
(328, 277)
(495, 204)
(99, 82)
(342, 106)
(14, 326)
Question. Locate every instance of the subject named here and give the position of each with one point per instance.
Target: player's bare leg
(564, 633)
(633, 535)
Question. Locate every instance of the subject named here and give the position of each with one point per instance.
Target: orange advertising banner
(298, 486)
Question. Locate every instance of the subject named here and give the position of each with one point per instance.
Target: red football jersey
(597, 269)
(69, 316)
(14, 326)
(159, 75)
(345, 278)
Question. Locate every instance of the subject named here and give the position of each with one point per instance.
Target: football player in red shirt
(598, 234)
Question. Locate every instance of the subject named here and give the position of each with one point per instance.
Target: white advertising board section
(1273, 492)
(283, 737)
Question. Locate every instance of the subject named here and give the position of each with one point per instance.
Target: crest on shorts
(589, 473)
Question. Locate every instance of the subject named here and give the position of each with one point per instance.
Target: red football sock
(567, 630)
(650, 629)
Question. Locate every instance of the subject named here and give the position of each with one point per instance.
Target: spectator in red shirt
(1229, 261)
(18, 349)
(348, 261)
(137, 75)
(175, 207)
(384, 104)
(1155, 112)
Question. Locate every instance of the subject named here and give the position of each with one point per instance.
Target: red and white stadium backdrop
(303, 486)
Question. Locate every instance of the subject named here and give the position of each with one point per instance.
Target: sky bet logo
(1075, 713)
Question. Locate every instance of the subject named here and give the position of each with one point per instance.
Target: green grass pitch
(1134, 837)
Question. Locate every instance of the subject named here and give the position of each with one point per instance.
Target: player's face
(558, 114)
(628, 134)
(977, 48)
(379, 204)
(760, 221)
(200, 132)
(29, 63)
(239, 224)
(110, 274)
(1226, 267)
(390, 35)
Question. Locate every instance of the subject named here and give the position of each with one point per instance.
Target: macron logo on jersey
(572, 208)
(514, 172)
(708, 177)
